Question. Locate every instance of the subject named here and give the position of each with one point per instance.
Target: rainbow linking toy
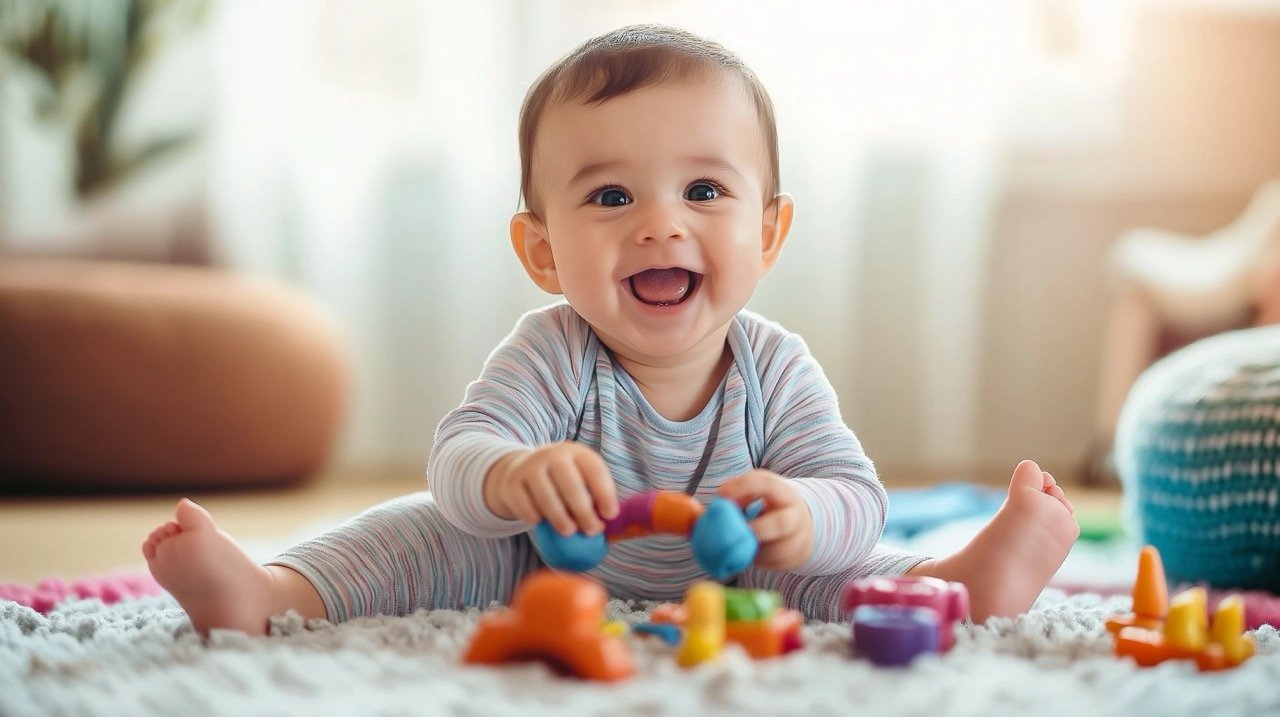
(712, 615)
(722, 541)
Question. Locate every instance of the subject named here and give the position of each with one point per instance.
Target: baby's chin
(639, 347)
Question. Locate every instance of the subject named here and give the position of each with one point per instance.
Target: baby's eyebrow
(707, 160)
(593, 169)
(715, 162)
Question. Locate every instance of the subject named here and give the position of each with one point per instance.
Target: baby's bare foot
(1009, 561)
(212, 578)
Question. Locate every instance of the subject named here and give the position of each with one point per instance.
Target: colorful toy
(704, 629)
(722, 541)
(1160, 629)
(556, 618)
(894, 635)
(670, 634)
(948, 601)
(753, 619)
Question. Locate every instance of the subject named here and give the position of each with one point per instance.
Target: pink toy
(49, 592)
(950, 600)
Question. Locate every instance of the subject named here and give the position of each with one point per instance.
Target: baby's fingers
(521, 504)
(599, 483)
(573, 492)
(783, 554)
(759, 484)
(776, 525)
(747, 487)
(546, 498)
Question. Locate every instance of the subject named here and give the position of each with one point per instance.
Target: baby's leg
(392, 559)
(215, 581)
(818, 596)
(1009, 561)
(403, 556)
(1005, 566)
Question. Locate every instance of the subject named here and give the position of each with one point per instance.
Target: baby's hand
(785, 528)
(566, 483)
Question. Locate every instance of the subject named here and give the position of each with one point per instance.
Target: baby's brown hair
(628, 59)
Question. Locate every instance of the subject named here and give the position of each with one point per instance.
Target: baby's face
(653, 206)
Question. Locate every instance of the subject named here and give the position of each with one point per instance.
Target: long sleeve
(526, 396)
(807, 441)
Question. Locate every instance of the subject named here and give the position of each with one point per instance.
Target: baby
(649, 166)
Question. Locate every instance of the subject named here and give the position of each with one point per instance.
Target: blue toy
(722, 541)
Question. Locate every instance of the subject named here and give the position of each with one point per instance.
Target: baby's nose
(660, 223)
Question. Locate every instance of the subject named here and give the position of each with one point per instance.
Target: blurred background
(962, 173)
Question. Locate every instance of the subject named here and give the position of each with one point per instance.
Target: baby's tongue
(661, 286)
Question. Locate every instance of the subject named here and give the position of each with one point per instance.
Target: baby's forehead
(710, 113)
(594, 86)
(727, 86)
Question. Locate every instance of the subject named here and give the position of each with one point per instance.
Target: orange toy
(775, 635)
(556, 618)
(1160, 630)
(769, 632)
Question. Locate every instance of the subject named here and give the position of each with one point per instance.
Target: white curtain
(366, 151)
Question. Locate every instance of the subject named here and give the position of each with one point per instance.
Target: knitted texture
(1198, 452)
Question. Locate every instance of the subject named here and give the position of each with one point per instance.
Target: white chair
(1174, 288)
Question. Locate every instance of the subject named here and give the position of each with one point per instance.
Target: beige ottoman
(121, 376)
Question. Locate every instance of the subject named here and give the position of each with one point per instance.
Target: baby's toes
(1057, 492)
(163, 532)
(149, 546)
(156, 537)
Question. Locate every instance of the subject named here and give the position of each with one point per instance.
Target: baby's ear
(776, 228)
(529, 239)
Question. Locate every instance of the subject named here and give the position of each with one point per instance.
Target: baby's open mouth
(664, 287)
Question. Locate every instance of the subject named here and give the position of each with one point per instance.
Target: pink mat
(111, 588)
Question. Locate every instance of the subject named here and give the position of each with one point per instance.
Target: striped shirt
(552, 380)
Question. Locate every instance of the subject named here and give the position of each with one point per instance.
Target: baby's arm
(807, 441)
(524, 398)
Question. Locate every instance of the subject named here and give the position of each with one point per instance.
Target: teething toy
(722, 541)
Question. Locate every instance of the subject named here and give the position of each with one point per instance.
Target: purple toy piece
(894, 635)
(950, 600)
(636, 511)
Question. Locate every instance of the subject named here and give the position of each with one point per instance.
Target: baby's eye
(611, 197)
(701, 192)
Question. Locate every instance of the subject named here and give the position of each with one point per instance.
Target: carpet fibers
(140, 657)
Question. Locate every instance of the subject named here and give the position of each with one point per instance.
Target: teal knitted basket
(1198, 452)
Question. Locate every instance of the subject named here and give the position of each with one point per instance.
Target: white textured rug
(141, 658)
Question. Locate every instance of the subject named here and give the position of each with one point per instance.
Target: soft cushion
(127, 376)
(1198, 452)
